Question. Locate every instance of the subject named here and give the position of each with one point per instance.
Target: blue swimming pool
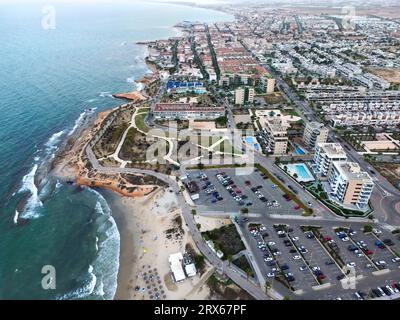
(299, 150)
(301, 170)
(253, 142)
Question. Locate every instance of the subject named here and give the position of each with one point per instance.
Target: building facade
(185, 111)
(349, 186)
(325, 155)
(314, 133)
(244, 95)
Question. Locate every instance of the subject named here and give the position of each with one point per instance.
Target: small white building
(175, 262)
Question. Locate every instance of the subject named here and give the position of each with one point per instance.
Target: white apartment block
(314, 133)
(325, 155)
(349, 186)
(277, 137)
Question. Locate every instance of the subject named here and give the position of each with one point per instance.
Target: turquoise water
(253, 142)
(299, 150)
(48, 79)
(302, 172)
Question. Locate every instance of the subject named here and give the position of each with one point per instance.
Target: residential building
(349, 185)
(244, 95)
(270, 86)
(325, 155)
(184, 111)
(314, 133)
(277, 137)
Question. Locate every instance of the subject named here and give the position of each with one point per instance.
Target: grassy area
(307, 210)
(243, 264)
(140, 124)
(226, 239)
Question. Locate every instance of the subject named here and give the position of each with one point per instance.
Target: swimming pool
(253, 142)
(299, 150)
(301, 170)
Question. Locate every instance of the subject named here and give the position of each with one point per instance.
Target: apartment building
(244, 95)
(270, 88)
(314, 133)
(183, 111)
(349, 185)
(277, 137)
(325, 155)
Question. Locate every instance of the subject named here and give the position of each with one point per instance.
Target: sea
(59, 65)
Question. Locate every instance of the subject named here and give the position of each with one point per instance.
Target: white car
(270, 275)
(281, 232)
(277, 253)
(303, 268)
(345, 239)
(268, 259)
(396, 260)
(390, 289)
(360, 255)
(380, 263)
(295, 238)
(296, 257)
(395, 289)
(271, 243)
(376, 231)
(351, 264)
(316, 268)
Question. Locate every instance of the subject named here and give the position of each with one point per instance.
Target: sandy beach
(145, 248)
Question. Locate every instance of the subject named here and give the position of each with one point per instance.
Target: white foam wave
(131, 80)
(54, 139)
(106, 95)
(77, 122)
(33, 202)
(58, 184)
(15, 219)
(83, 292)
(139, 86)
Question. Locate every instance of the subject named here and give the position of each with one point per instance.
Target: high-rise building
(244, 95)
(314, 133)
(270, 86)
(325, 155)
(277, 137)
(348, 185)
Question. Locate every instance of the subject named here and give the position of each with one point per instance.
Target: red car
(322, 277)
(369, 252)
(297, 207)
(327, 238)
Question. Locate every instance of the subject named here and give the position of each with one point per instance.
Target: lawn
(140, 123)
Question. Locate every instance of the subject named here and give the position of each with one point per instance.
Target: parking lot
(280, 249)
(230, 191)
(357, 257)
(274, 255)
(381, 253)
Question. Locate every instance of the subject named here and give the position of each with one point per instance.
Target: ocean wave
(77, 122)
(131, 80)
(83, 292)
(106, 94)
(53, 140)
(33, 202)
(106, 264)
